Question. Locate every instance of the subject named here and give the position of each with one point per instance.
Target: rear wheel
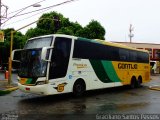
(79, 88)
(133, 82)
(139, 81)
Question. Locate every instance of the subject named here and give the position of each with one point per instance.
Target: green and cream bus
(56, 64)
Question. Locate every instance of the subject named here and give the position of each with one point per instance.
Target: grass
(4, 92)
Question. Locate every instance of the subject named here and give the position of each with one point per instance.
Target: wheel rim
(138, 83)
(79, 88)
(133, 83)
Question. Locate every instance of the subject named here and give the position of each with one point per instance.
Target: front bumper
(38, 89)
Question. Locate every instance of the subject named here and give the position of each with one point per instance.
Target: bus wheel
(79, 88)
(133, 82)
(139, 81)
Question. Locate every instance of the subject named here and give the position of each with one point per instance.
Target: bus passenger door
(60, 58)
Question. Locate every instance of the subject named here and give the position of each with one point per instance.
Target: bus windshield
(31, 64)
(38, 43)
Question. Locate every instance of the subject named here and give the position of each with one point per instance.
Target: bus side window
(123, 54)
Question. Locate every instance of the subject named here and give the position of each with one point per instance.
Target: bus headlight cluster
(41, 83)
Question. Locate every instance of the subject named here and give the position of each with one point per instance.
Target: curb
(6, 91)
(155, 87)
(11, 89)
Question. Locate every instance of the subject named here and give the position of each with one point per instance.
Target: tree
(18, 42)
(50, 23)
(34, 32)
(53, 22)
(93, 30)
(66, 30)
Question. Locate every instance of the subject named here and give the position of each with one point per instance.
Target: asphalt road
(118, 101)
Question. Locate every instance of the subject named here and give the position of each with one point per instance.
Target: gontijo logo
(127, 66)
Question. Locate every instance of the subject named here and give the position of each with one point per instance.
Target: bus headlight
(41, 82)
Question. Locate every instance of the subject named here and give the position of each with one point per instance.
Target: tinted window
(124, 54)
(60, 57)
(143, 57)
(133, 56)
(91, 50)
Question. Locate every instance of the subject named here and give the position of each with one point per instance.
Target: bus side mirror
(45, 53)
(16, 55)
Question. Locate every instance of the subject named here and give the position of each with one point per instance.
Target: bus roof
(91, 40)
(55, 35)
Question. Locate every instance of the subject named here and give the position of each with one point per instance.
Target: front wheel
(79, 88)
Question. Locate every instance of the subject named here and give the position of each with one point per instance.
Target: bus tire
(133, 82)
(139, 81)
(79, 88)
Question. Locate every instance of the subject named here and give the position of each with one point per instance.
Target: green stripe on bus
(100, 71)
(109, 69)
(29, 81)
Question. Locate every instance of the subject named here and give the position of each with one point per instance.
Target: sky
(114, 15)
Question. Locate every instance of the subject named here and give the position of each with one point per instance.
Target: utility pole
(0, 14)
(131, 35)
(56, 23)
